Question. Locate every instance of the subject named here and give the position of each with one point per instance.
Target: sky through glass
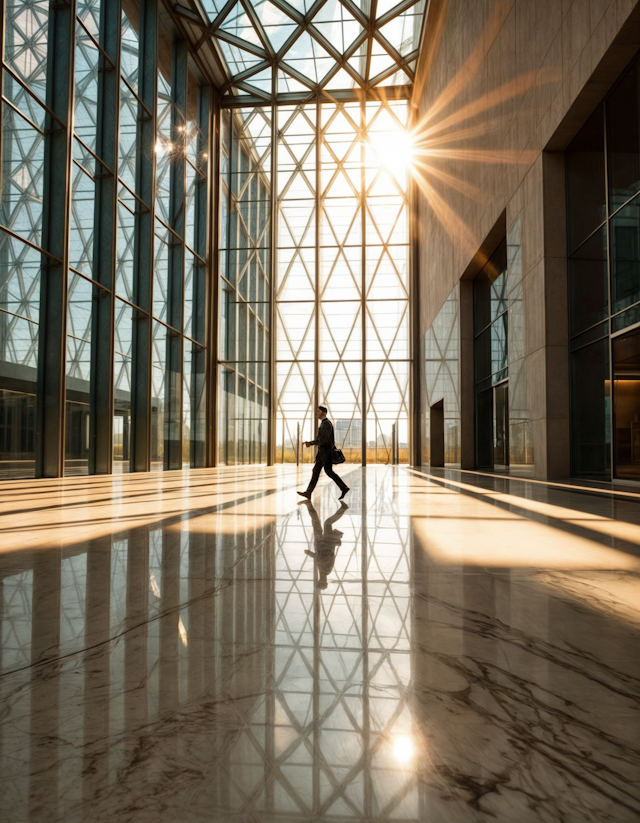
(272, 48)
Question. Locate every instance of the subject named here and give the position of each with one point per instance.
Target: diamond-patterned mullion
(356, 276)
(356, 321)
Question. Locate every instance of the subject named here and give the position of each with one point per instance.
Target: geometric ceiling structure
(277, 50)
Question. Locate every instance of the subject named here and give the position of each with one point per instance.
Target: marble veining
(198, 646)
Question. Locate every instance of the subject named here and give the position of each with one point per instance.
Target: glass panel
(127, 148)
(625, 255)
(86, 77)
(125, 239)
(387, 405)
(586, 207)
(623, 145)
(79, 310)
(161, 272)
(17, 433)
(122, 387)
(590, 411)
(89, 13)
(22, 176)
(164, 145)
(588, 283)
(83, 195)
(194, 406)
(439, 378)
(159, 388)
(501, 427)
(19, 278)
(26, 41)
(245, 287)
(309, 58)
(626, 406)
(337, 25)
(130, 45)
(403, 32)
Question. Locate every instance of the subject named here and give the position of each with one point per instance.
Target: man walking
(325, 442)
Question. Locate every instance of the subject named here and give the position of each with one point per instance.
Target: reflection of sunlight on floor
(492, 529)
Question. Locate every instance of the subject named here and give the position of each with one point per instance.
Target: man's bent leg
(328, 470)
(317, 468)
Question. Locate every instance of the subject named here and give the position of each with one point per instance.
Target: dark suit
(325, 442)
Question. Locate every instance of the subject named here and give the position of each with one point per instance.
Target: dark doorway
(436, 434)
(492, 428)
(626, 406)
(484, 429)
(501, 427)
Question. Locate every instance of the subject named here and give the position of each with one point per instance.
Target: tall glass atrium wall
(203, 232)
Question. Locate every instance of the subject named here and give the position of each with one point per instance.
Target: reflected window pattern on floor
(334, 737)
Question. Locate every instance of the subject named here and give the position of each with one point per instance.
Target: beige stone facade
(502, 89)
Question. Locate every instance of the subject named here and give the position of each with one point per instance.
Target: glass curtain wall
(603, 230)
(342, 285)
(245, 285)
(491, 331)
(22, 253)
(91, 195)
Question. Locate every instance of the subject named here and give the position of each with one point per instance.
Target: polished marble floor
(451, 648)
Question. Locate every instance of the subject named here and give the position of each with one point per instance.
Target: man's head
(321, 412)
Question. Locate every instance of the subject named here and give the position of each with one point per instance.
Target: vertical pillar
(273, 398)
(415, 394)
(105, 222)
(199, 375)
(177, 197)
(363, 282)
(143, 239)
(319, 204)
(213, 265)
(55, 232)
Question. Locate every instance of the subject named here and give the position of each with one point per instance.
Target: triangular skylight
(403, 32)
(338, 26)
(238, 24)
(381, 60)
(262, 79)
(281, 35)
(340, 80)
(308, 57)
(277, 25)
(213, 7)
(238, 59)
(288, 84)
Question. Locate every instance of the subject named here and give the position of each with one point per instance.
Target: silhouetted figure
(325, 441)
(326, 542)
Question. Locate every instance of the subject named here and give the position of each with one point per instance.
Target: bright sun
(393, 150)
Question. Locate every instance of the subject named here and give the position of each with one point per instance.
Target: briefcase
(337, 456)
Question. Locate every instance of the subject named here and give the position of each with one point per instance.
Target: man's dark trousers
(328, 470)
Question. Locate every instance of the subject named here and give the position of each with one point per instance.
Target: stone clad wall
(502, 88)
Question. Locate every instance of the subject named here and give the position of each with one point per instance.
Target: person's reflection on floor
(326, 541)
